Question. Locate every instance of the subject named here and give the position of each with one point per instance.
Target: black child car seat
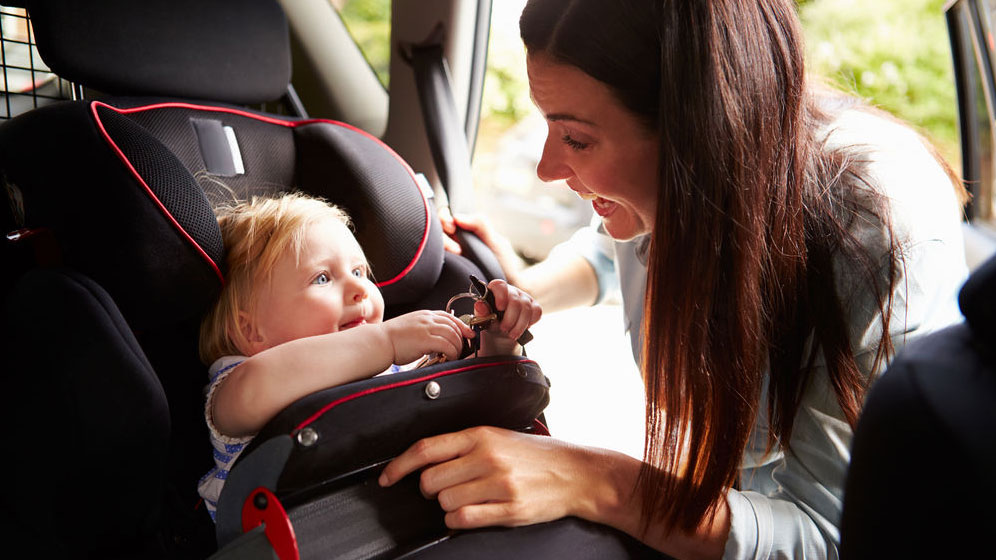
(112, 257)
(924, 452)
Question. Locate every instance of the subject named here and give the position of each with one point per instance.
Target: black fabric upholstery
(107, 225)
(352, 434)
(924, 452)
(384, 201)
(504, 391)
(88, 450)
(567, 538)
(344, 165)
(454, 278)
(267, 149)
(172, 350)
(977, 302)
(170, 182)
(196, 49)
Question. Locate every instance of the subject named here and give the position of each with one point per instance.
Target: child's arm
(520, 311)
(264, 384)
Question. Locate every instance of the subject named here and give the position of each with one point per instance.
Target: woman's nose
(551, 166)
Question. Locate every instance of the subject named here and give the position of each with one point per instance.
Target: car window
(973, 48)
(534, 216)
(984, 111)
(369, 22)
(25, 81)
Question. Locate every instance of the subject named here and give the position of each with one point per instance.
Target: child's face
(327, 290)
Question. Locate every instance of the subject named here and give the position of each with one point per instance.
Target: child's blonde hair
(255, 234)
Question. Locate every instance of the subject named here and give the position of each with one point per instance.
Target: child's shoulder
(222, 365)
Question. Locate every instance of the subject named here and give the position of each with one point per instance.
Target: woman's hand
(418, 333)
(488, 476)
(509, 260)
(519, 312)
(449, 229)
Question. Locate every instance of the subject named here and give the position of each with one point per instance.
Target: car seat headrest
(392, 217)
(130, 206)
(976, 299)
(234, 52)
(393, 220)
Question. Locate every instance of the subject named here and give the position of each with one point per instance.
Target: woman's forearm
(559, 282)
(612, 501)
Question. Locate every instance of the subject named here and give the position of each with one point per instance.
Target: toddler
(299, 313)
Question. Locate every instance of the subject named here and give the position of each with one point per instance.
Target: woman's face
(599, 147)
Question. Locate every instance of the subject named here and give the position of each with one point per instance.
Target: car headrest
(395, 223)
(128, 208)
(234, 52)
(392, 216)
(976, 298)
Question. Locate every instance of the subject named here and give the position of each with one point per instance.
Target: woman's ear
(250, 334)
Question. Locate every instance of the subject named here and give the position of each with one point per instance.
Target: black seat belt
(448, 140)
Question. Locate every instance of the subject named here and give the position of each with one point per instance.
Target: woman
(796, 240)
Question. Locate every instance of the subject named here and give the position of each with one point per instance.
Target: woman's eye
(322, 278)
(574, 144)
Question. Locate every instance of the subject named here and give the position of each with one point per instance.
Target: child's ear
(250, 333)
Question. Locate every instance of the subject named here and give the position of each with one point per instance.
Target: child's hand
(415, 334)
(520, 312)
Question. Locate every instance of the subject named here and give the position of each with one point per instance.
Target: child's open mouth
(353, 323)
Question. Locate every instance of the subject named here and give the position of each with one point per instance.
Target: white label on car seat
(240, 169)
(424, 186)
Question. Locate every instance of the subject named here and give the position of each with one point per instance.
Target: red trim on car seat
(263, 508)
(539, 428)
(291, 124)
(373, 390)
(148, 190)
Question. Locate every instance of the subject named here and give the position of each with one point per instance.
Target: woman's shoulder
(859, 124)
(905, 200)
(898, 163)
(889, 148)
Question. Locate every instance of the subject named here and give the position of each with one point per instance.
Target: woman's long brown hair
(752, 213)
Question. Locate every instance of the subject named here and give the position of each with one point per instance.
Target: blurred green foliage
(893, 53)
(369, 22)
(506, 90)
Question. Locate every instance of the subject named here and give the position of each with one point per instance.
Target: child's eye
(321, 279)
(360, 272)
(574, 144)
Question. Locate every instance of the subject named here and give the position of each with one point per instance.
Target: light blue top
(790, 503)
(620, 266)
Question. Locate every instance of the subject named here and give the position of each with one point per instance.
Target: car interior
(115, 253)
(158, 111)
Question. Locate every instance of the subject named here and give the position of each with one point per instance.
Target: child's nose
(359, 291)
